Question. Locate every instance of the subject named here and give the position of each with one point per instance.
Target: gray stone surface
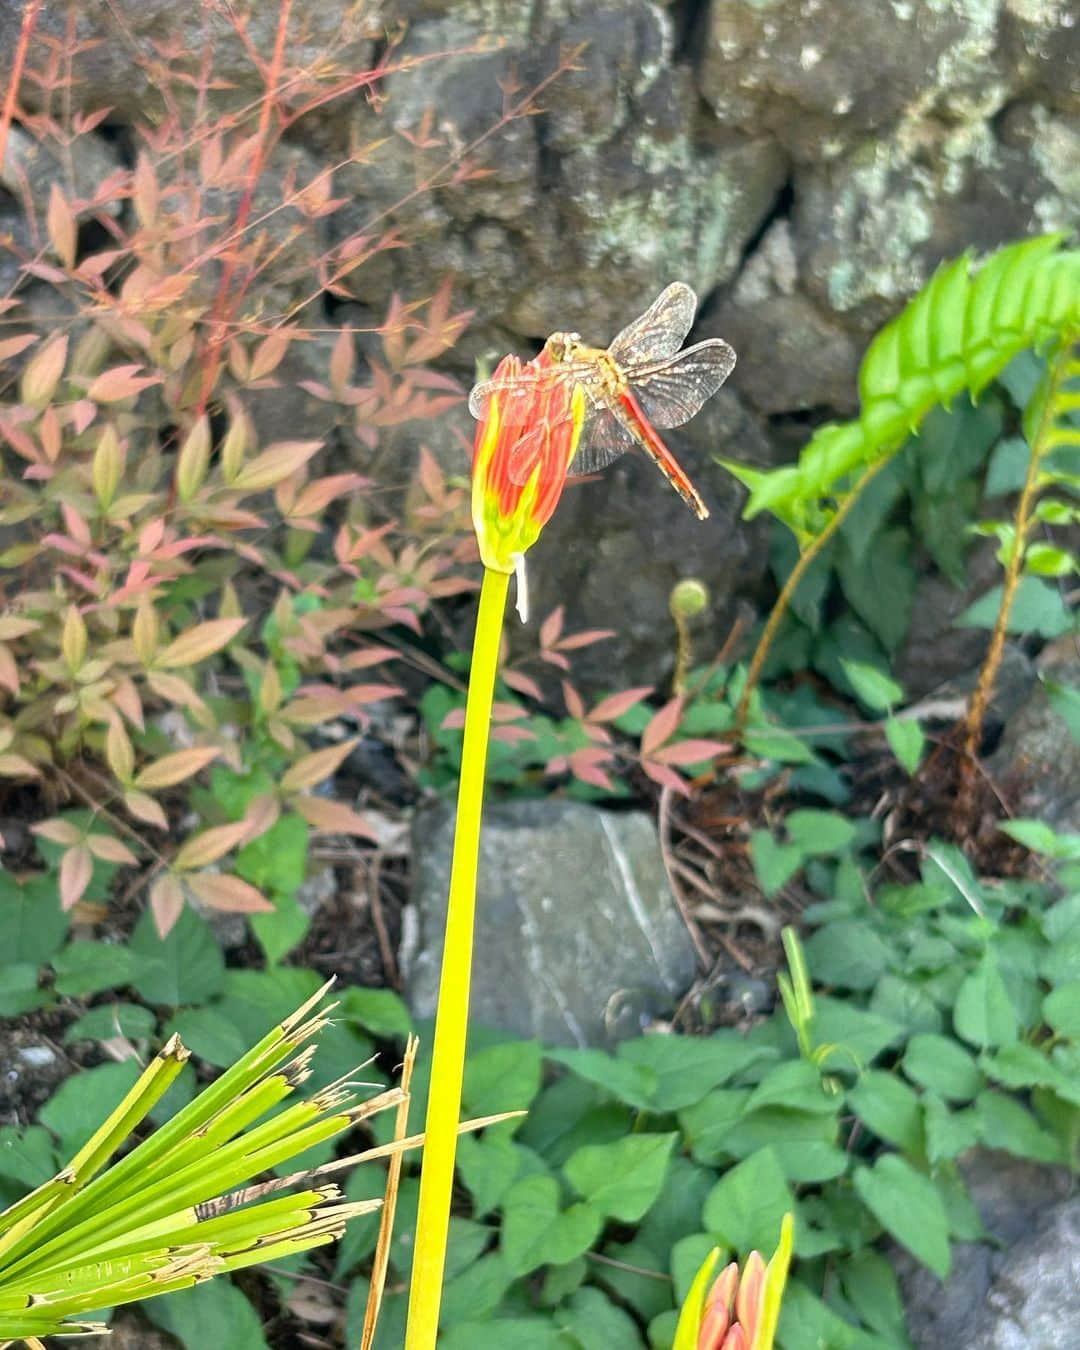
(1020, 1290)
(1037, 764)
(578, 939)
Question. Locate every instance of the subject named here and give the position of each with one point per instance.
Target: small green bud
(688, 598)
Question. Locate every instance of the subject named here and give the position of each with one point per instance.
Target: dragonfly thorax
(563, 346)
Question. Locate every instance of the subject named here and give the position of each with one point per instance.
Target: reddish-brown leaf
(575, 640)
(175, 768)
(57, 831)
(166, 903)
(313, 768)
(524, 684)
(144, 808)
(13, 346)
(228, 893)
(210, 845)
(43, 371)
(329, 817)
(662, 726)
(317, 496)
(269, 353)
(575, 704)
(60, 222)
(512, 735)
(18, 766)
(121, 382)
(76, 868)
(613, 707)
(690, 752)
(199, 642)
(551, 628)
(589, 765)
(274, 464)
(666, 777)
(107, 848)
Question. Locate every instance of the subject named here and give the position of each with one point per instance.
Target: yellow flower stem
(451, 1023)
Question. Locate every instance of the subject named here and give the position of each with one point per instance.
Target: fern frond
(957, 334)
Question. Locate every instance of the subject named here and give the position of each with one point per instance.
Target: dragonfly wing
(603, 439)
(661, 330)
(515, 386)
(672, 391)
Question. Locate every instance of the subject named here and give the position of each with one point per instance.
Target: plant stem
(451, 1024)
(984, 688)
(791, 585)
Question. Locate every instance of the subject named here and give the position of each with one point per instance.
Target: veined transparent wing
(604, 437)
(660, 331)
(525, 384)
(672, 391)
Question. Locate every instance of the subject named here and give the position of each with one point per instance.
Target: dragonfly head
(561, 346)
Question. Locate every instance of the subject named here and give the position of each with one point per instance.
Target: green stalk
(448, 1053)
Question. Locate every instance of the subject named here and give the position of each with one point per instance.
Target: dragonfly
(642, 381)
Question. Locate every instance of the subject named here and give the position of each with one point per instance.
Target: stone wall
(804, 164)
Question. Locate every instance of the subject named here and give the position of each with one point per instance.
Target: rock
(121, 66)
(1040, 41)
(31, 1069)
(820, 76)
(615, 548)
(579, 941)
(994, 1291)
(31, 167)
(870, 228)
(1037, 764)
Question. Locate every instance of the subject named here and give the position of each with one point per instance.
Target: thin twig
(664, 821)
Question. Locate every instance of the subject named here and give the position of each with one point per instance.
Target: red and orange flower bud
(524, 445)
(739, 1311)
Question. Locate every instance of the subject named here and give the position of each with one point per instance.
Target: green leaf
(872, 686)
(1065, 701)
(488, 1167)
(948, 1133)
(19, 992)
(906, 1002)
(32, 924)
(888, 1107)
(1061, 1008)
(280, 930)
(906, 1204)
(774, 863)
(746, 1206)
(685, 1068)
(819, 833)
(795, 1084)
(113, 1019)
(873, 1290)
(708, 1123)
(942, 1066)
(847, 953)
(184, 967)
(1040, 837)
(596, 1323)
(214, 1313)
(676, 1211)
(27, 1158)
(361, 1233)
(1008, 467)
(209, 1034)
(476, 1291)
(535, 1232)
(863, 1034)
(1023, 1066)
(1003, 1123)
(379, 1011)
(502, 1078)
(622, 1179)
(625, 1081)
(906, 741)
(880, 586)
(277, 860)
(84, 968)
(984, 1014)
(82, 1102)
(506, 1333)
(804, 1142)
(1037, 608)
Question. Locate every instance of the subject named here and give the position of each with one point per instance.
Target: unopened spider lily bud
(738, 1310)
(525, 440)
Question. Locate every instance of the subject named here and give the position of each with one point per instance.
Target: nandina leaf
(9, 671)
(13, 346)
(689, 752)
(453, 721)
(43, 371)
(369, 656)
(174, 768)
(589, 763)
(317, 496)
(662, 726)
(57, 831)
(60, 222)
(512, 735)
(269, 353)
(17, 766)
(524, 684)
(13, 626)
(573, 641)
(193, 460)
(76, 869)
(275, 463)
(551, 627)
(147, 810)
(229, 893)
(107, 848)
(575, 704)
(166, 903)
(199, 642)
(613, 707)
(666, 777)
(330, 817)
(119, 383)
(205, 848)
(313, 768)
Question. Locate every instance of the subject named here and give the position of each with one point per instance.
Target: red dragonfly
(641, 382)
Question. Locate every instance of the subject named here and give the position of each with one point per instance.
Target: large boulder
(578, 938)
